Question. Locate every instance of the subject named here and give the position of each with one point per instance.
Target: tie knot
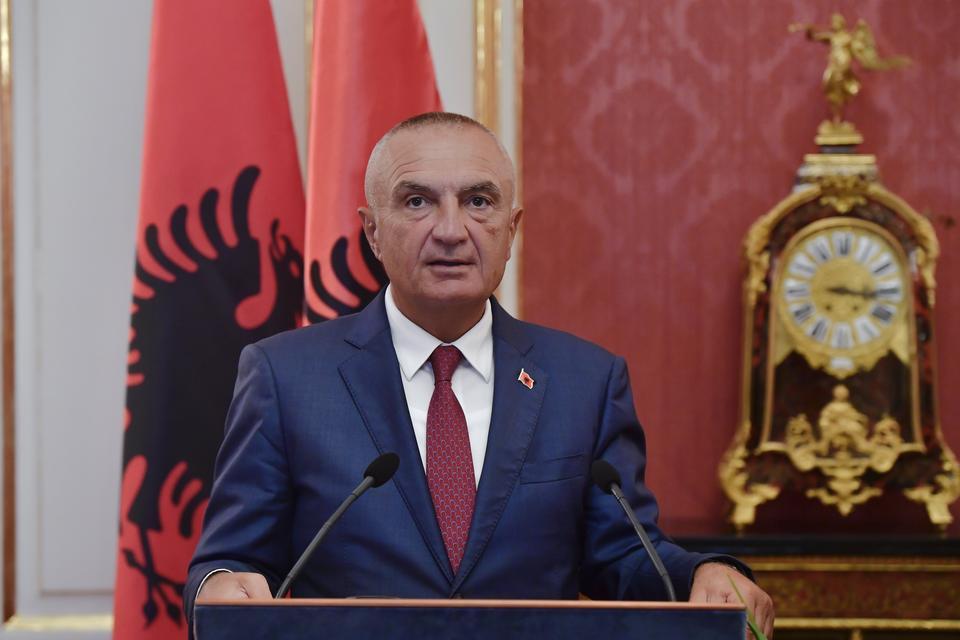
(444, 361)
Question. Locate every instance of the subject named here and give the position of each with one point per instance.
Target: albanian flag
(371, 69)
(218, 266)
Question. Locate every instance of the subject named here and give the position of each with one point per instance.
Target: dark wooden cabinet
(853, 587)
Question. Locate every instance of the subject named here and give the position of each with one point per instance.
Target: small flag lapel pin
(525, 379)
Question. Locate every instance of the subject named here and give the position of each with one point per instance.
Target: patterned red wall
(654, 133)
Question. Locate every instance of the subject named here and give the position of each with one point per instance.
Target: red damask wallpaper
(654, 133)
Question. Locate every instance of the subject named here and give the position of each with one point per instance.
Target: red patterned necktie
(449, 461)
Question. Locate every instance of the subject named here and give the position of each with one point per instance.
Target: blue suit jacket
(313, 407)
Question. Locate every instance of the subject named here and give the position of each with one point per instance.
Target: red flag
(371, 69)
(218, 267)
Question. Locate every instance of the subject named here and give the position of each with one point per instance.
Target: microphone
(377, 473)
(607, 478)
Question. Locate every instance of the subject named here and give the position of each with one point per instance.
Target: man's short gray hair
(429, 119)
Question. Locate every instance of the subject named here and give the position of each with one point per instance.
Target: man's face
(442, 221)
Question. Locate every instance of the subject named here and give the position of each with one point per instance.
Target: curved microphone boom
(377, 473)
(607, 478)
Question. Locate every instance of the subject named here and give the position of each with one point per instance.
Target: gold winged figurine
(840, 83)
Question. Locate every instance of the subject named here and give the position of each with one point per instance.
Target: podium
(402, 619)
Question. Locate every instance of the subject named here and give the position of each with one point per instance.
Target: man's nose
(450, 227)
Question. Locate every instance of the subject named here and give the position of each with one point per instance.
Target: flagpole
(7, 317)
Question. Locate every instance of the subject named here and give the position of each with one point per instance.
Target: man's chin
(454, 296)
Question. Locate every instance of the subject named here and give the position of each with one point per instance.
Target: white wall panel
(451, 34)
(289, 16)
(89, 125)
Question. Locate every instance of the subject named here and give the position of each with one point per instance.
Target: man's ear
(515, 221)
(369, 222)
(515, 216)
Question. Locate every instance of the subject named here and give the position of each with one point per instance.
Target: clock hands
(866, 294)
(846, 291)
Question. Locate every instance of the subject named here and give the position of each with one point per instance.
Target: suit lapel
(373, 378)
(512, 424)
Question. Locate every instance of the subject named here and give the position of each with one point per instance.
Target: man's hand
(711, 583)
(235, 586)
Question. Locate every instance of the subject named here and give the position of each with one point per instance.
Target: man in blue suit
(496, 423)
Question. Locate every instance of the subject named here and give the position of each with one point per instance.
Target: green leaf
(751, 621)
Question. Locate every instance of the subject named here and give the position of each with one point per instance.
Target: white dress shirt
(472, 381)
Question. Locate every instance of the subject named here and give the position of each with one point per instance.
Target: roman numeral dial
(842, 290)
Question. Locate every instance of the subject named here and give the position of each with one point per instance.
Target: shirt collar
(414, 345)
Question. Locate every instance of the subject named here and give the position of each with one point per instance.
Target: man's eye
(479, 201)
(416, 202)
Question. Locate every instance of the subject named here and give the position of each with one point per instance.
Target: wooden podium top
(461, 603)
(415, 619)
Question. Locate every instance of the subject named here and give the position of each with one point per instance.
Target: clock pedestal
(850, 587)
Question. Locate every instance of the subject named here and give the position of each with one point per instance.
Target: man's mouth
(448, 263)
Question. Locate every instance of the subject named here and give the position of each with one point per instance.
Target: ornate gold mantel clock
(839, 392)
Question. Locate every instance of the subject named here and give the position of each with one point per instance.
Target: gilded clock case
(839, 439)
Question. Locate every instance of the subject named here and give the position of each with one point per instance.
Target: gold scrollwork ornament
(844, 451)
(938, 499)
(745, 495)
(842, 192)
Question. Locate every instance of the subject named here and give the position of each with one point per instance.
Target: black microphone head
(604, 475)
(383, 468)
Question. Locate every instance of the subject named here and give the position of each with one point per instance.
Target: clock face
(842, 293)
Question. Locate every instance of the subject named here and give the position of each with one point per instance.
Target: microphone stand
(645, 540)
